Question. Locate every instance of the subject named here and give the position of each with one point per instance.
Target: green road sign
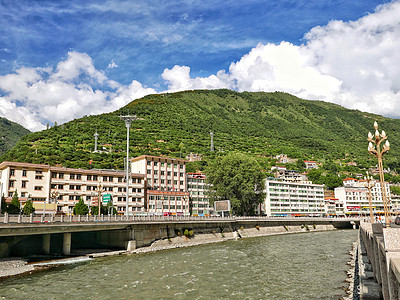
(106, 198)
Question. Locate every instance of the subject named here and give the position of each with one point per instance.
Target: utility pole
(128, 120)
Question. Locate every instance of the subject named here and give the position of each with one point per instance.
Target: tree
(3, 205)
(238, 178)
(14, 207)
(81, 208)
(28, 208)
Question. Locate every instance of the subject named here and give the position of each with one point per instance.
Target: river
(293, 266)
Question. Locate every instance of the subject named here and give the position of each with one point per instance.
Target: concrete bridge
(66, 235)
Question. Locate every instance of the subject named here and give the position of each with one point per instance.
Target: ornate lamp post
(369, 185)
(100, 189)
(378, 150)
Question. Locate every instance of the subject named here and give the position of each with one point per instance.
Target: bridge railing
(49, 218)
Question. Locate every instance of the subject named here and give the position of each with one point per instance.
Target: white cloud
(35, 96)
(354, 64)
(179, 79)
(112, 65)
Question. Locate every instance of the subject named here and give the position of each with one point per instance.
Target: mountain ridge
(175, 124)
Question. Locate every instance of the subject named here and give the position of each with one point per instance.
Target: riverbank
(10, 267)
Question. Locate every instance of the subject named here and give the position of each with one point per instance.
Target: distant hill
(10, 134)
(261, 124)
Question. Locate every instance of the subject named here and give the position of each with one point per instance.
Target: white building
(166, 192)
(41, 182)
(197, 188)
(354, 197)
(285, 198)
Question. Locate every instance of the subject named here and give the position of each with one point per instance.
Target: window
(71, 187)
(94, 177)
(78, 176)
(162, 173)
(181, 174)
(23, 185)
(155, 172)
(148, 171)
(89, 177)
(139, 180)
(24, 173)
(72, 176)
(105, 178)
(169, 173)
(53, 175)
(61, 175)
(78, 187)
(23, 194)
(38, 188)
(120, 179)
(38, 177)
(38, 172)
(110, 189)
(88, 197)
(149, 163)
(175, 173)
(60, 187)
(12, 172)
(162, 164)
(53, 186)
(11, 183)
(110, 179)
(71, 197)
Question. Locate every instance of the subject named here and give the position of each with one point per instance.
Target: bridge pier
(46, 244)
(67, 243)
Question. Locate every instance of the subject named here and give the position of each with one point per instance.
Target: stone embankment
(209, 238)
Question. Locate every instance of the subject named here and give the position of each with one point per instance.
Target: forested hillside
(10, 134)
(261, 124)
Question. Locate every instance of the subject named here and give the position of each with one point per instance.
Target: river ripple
(293, 266)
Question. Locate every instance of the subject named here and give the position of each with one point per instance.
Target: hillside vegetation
(260, 124)
(10, 134)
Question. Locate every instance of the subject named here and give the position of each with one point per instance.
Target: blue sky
(61, 60)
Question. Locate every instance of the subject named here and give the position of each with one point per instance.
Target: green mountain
(10, 134)
(261, 124)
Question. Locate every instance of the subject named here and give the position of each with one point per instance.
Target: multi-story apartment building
(285, 198)
(166, 192)
(42, 182)
(354, 196)
(197, 188)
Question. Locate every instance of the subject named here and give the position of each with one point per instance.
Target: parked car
(397, 220)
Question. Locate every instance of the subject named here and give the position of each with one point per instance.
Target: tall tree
(238, 178)
(81, 208)
(28, 208)
(14, 207)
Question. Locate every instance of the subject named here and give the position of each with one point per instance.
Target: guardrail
(7, 218)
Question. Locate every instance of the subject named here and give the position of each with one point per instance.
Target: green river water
(293, 266)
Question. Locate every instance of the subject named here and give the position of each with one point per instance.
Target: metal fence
(7, 218)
